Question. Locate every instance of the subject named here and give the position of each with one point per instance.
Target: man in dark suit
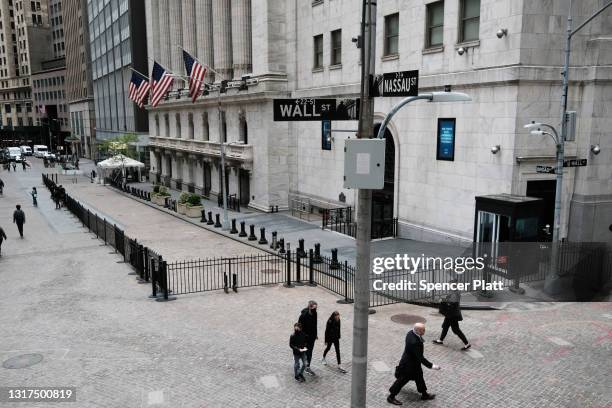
(409, 367)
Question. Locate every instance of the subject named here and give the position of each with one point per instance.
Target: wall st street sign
(405, 83)
(575, 163)
(315, 109)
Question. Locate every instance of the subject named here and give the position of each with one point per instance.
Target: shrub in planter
(159, 197)
(156, 188)
(181, 208)
(194, 206)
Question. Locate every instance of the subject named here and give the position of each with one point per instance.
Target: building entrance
(383, 223)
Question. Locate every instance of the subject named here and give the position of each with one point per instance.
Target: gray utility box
(364, 163)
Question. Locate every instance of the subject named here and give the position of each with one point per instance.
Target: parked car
(26, 150)
(39, 150)
(14, 153)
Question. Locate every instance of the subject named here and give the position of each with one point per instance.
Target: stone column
(189, 26)
(164, 33)
(176, 39)
(198, 175)
(241, 37)
(204, 35)
(222, 38)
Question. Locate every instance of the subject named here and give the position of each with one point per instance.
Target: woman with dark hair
(332, 336)
(451, 310)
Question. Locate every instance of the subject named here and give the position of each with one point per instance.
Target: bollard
(242, 230)
(235, 282)
(281, 244)
(300, 253)
(317, 254)
(210, 220)
(276, 208)
(262, 240)
(334, 261)
(252, 236)
(225, 287)
(233, 230)
(203, 219)
(217, 221)
(288, 268)
(274, 244)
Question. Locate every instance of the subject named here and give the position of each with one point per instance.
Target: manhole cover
(23, 361)
(270, 271)
(407, 319)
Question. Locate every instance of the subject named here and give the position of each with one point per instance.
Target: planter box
(181, 208)
(155, 199)
(194, 212)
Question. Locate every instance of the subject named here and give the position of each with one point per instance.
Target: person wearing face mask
(409, 367)
(308, 320)
(297, 342)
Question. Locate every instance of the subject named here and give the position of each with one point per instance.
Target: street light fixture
(431, 97)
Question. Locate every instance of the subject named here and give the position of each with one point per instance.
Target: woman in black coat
(452, 316)
(332, 336)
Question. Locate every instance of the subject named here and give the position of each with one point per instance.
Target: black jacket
(19, 217)
(2, 235)
(410, 364)
(297, 341)
(332, 330)
(450, 307)
(309, 323)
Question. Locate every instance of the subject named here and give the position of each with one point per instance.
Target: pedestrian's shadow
(410, 395)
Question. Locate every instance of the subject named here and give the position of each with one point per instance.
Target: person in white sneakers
(332, 336)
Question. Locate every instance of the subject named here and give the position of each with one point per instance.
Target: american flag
(196, 73)
(161, 81)
(139, 87)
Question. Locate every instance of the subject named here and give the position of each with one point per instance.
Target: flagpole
(140, 73)
(223, 185)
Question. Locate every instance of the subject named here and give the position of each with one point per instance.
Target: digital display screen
(446, 139)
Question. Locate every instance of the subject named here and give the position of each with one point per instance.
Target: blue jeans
(297, 370)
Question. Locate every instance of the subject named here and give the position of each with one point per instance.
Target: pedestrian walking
(23, 164)
(2, 238)
(332, 337)
(14, 166)
(1, 187)
(19, 219)
(61, 195)
(34, 194)
(308, 320)
(297, 342)
(451, 309)
(409, 367)
(55, 197)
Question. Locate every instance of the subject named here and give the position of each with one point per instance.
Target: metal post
(364, 205)
(311, 281)
(288, 283)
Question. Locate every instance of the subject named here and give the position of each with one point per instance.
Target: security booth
(506, 231)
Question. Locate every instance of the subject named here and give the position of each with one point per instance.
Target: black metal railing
(233, 202)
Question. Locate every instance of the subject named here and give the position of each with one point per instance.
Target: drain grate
(23, 361)
(407, 319)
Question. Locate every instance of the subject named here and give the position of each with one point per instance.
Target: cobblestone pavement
(292, 229)
(65, 297)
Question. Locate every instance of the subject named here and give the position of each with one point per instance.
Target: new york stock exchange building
(451, 169)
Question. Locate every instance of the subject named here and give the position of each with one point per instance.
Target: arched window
(190, 125)
(205, 130)
(243, 129)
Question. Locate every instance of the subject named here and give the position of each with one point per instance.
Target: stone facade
(512, 80)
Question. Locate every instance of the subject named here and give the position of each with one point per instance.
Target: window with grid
(435, 24)
(318, 51)
(336, 47)
(469, 25)
(391, 34)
